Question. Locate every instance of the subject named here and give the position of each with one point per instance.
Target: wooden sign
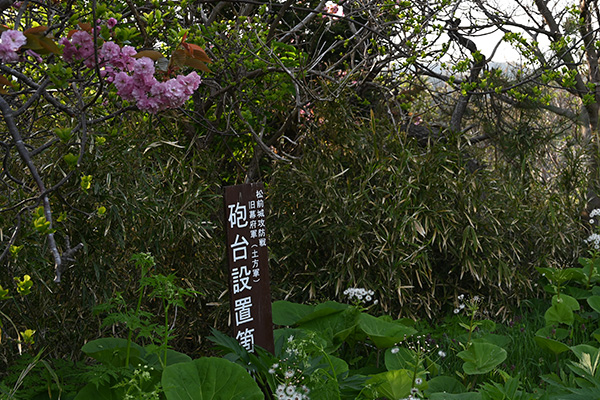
(249, 284)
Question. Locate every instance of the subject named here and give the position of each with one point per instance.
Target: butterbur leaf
(567, 300)
(113, 351)
(393, 384)
(209, 378)
(287, 313)
(481, 358)
(383, 333)
(444, 384)
(551, 345)
(559, 313)
(594, 302)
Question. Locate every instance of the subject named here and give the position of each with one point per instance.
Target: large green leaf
(401, 358)
(553, 346)
(393, 384)
(552, 332)
(209, 378)
(383, 333)
(444, 384)
(101, 392)
(594, 302)
(173, 357)
(456, 396)
(559, 313)
(322, 310)
(287, 313)
(328, 389)
(569, 301)
(332, 321)
(113, 351)
(481, 357)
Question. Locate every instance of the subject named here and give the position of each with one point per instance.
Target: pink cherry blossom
(10, 42)
(133, 77)
(13, 39)
(111, 23)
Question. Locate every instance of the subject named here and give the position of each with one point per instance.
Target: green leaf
(552, 332)
(209, 378)
(101, 392)
(4, 294)
(559, 313)
(24, 285)
(459, 396)
(328, 389)
(569, 301)
(383, 333)
(594, 302)
(403, 358)
(86, 182)
(173, 357)
(393, 384)
(444, 384)
(481, 358)
(64, 134)
(113, 351)
(287, 313)
(551, 345)
(332, 321)
(70, 159)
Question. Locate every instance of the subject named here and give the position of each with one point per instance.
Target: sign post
(249, 284)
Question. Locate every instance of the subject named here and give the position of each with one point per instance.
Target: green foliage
(209, 378)
(481, 357)
(372, 208)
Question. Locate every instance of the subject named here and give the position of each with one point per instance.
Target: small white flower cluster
(292, 392)
(595, 212)
(594, 240)
(361, 295)
(468, 302)
(410, 397)
(290, 378)
(414, 392)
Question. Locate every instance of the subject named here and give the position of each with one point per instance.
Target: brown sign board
(249, 284)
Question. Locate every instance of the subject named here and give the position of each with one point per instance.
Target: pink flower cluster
(79, 47)
(151, 95)
(133, 77)
(10, 42)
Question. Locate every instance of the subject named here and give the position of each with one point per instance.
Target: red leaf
(36, 30)
(4, 81)
(154, 55)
